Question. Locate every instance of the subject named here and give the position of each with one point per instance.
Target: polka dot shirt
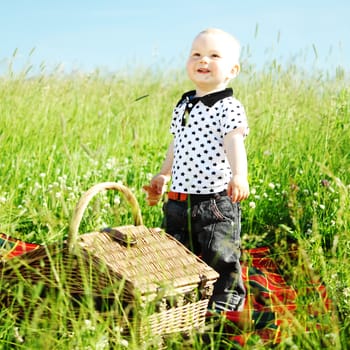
(199, 125)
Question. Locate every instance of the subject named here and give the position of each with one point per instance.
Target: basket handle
(86, 198)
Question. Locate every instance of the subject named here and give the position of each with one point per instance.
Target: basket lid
(148, 259)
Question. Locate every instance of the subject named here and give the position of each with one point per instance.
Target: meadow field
(62, 133)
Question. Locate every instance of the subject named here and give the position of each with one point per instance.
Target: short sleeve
(234, 116)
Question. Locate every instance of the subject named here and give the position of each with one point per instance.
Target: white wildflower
(118, 329)
(116, 200)
(18, 337)
(110, 163)
(332, 337)
(89, 326)
(102, 343)
(346, 292)
(124, 342)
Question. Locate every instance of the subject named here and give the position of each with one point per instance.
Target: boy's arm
(238, 187)
(157, 186)
(159, 181)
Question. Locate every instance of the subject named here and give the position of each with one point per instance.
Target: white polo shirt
(199, 125)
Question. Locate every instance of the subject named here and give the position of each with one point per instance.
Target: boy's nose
(204, 59)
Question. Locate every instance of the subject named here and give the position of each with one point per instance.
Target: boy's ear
(235, 70)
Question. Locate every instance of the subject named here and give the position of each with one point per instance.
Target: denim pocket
(226, 211)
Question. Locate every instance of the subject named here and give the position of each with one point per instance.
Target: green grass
(60, 135)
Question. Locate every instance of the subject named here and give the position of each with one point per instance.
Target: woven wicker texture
(154, 261)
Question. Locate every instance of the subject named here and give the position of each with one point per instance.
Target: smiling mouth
(203, 70)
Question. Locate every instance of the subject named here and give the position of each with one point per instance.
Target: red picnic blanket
(271, 305)
(11, 247)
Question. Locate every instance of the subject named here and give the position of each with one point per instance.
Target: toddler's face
(212, 62)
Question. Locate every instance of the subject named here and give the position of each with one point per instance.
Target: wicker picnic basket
(134, 266)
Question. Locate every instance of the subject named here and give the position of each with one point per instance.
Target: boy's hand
(238, 188)
(156, 189)
(152, 197)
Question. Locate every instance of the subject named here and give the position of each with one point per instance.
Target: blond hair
(232, 41)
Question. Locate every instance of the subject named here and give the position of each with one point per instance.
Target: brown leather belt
(183, 197)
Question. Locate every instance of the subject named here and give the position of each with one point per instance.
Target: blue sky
(110, 35)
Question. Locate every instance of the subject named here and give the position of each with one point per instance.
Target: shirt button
(190, 105)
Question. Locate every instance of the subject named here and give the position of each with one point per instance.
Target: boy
(207, 163)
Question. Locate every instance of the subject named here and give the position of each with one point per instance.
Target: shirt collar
(209, 100)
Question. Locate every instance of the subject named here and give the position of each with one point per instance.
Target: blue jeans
(210, 229)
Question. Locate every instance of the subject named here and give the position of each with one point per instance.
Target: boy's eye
(215, 55)
(195, 54)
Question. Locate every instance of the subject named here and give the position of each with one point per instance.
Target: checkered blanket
(11, 247)
(275, 309)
